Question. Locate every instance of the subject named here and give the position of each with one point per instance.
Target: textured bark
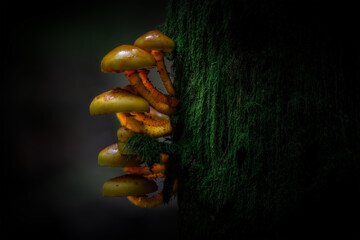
(268, 123)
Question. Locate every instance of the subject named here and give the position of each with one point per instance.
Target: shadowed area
(52, 72)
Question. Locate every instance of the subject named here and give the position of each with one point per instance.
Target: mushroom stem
(138, 170)
(139, 87)
(143, 73)
(160, 97)
(147, 202)
(145, 119)
(164, 75)
(150, 202)
(155, 175)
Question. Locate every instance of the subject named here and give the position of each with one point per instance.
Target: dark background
(51, 53)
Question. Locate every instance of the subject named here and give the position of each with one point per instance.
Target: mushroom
(150, 202)
(110, 157)
(154, 118)
(128, 59)
(124, 134)
(147, 126)
(118, 100)
(132, 107)
(154, 123)
(128, 185)
(157, 43)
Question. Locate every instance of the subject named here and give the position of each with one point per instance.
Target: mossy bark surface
(268, 125)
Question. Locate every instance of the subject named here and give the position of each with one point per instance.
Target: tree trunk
(268, 122)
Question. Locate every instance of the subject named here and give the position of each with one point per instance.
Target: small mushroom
(124, 134)
(129, 59)
(118, 100)
(110, 157)
(128, 185)
(148, 126)
(157, 43)
(144, 201)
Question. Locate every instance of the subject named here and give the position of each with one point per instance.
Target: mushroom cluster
(141, 109)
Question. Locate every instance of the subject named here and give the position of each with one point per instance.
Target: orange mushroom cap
(155, 40)
(127, 57)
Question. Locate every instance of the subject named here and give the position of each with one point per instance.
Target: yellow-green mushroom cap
(118, 100)
(110, 157)
(155, 40)
(123, 149)
(124, 134)
(128, 185)
(126, 58)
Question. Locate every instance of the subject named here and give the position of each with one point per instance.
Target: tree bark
(268, 121)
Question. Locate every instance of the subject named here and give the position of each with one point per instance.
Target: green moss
(265, 117)
(149, 149)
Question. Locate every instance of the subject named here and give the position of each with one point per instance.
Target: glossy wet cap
(128, 185)
(155, 40)
(127, 57)
(110, 157)
(118, 100)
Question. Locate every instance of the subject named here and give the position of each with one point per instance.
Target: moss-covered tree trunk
(269, 118)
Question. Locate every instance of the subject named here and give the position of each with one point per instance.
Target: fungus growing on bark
(157, 43)
(132, 107)
(129, 59)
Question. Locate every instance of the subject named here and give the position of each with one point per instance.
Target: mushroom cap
(127, 57)
(128, 185)
(118, 100)
(124, 134)
(155, 40)
(125, 150)
(110, 157)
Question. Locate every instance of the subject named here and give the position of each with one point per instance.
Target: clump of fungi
(141, 109)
